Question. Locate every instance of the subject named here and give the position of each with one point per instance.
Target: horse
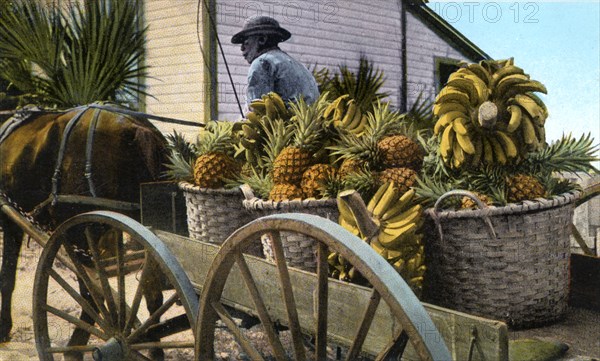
(91, 151)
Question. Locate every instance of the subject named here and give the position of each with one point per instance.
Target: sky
(557, 43)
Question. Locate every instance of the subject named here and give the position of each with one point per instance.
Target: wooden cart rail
(463, 334)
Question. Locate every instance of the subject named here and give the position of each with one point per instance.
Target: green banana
(509, 146)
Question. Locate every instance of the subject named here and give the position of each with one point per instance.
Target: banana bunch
(398, 240)
(487, 112)
(345, 113)
(270, 105)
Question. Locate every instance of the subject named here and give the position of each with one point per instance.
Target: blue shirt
(276, 71)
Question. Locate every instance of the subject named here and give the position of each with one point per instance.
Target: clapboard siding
(338, 36)
(176, 65)
(324, 33)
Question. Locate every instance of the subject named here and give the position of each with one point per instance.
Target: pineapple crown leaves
(363, 180)
(307, 123)
(181, 156)
(331, 186)
(260, 182)
(383, 121)
(217, 136)
(364, 86)
(278, 136)
(352, 146)
(567, 154)
(419, 117)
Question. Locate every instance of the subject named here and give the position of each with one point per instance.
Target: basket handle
(247, 191)
(460, 192)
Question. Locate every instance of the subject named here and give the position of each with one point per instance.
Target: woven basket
(507, 263)
(214, 214)
(299, 250)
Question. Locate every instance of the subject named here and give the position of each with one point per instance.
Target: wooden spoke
(169, 327)
(237, 333)
(92, 287)
(322, 301)
(86, 348)
(365, 325)
(163, 345)
(154, 318)
(121, 283)
(288, 296)
(78, 298)
(395, 348)
(107, 291)
(77, 322)
(261, 309)
(135, 304)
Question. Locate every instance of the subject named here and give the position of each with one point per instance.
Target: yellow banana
(510, 150)
(447, 142)
(379, 248)
(279, 103)
(515, 118)
(451, 94)
(443, 108)
(399, 206)
(508, 82)
(404, 218)
(498, 151)
(356, 118)
(478, 143)
(349, 116)
(488, 151)
(387, 199)
(345, 211)
(467, 86)
(528, 131)
(258, 106)
(529, 104)
(393, 238)
(481, 87)
(377, 196)
(460, 126)
(446, 119)
(270, 108)
(481, 72)
(529, 86)
(359, 129)
(465, 143)
(458, 155)
(398, 265)
(504, 72)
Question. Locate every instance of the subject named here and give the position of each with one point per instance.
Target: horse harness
(54, 198)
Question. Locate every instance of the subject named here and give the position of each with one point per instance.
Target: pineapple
(401, 151)
(307, 125)
(522, 187)
(349, 166)
(314, 179)
(285, 191)
(215, 161)
(403, 178)
(467, 202)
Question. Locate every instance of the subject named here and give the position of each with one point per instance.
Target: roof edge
(445, 30)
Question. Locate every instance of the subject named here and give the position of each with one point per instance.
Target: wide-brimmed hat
(261, 25)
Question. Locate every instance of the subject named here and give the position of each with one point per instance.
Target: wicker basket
(299, 250)
(507, 263)
(214, 214)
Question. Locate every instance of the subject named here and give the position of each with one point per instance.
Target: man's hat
(261, 25)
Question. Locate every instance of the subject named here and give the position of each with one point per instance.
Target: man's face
(251, 47)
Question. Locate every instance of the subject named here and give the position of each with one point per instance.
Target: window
(444, 67)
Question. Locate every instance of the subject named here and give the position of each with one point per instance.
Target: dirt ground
(580, 329)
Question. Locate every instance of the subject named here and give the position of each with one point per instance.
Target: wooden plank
(163, 207)
(346, 301)
(585, 282)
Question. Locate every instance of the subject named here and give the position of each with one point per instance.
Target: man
(272, 69)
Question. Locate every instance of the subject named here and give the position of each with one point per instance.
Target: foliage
(91, 51)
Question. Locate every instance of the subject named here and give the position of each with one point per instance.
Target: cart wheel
(388, 287)
(106, 288)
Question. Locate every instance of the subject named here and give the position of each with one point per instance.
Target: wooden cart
(101, 295)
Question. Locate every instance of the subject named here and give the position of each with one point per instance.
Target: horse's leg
(81, 337)
(13, 239)
(154, 299)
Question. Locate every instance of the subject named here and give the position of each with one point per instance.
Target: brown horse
(55, 153)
